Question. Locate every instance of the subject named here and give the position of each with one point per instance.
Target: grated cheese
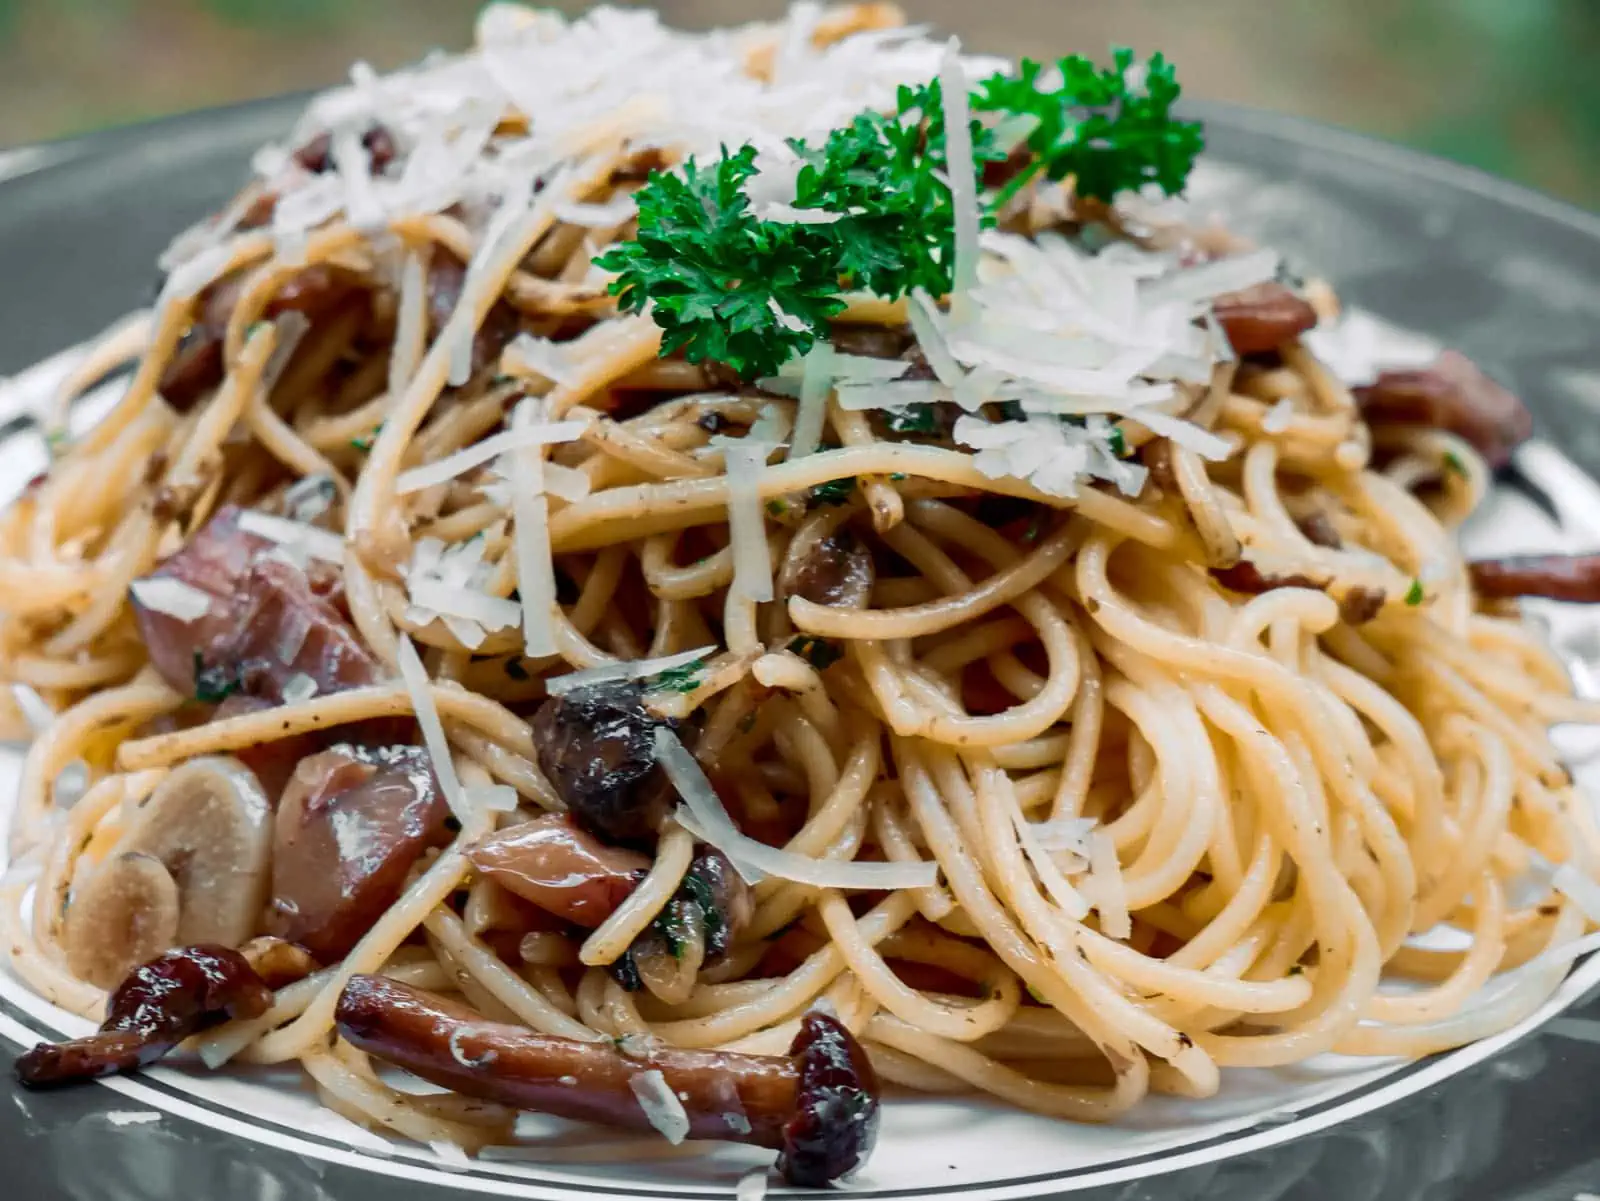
(963, 172)
(415, 677)
(704, 816)
(660, 1104)
(299, 688)
(490, 612)
(816, 380)
(171, 596)
(623, 669)
(294, 535)
(536, 573)
(544, 433)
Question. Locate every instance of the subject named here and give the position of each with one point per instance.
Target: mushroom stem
(818, 1106)
(159, 1005)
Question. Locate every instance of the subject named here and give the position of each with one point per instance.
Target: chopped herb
(913, 419)
(213, 685)
(818, 652)
(834, 492)
(1415, 593)
(516, 671)
(777, 507)
(1453, 463)
(679, 679)
(897, 476)
(1035, 526)
(1118, 441)
(1110, 128)
(700, 894)
(365, 441)
(725, 285)
(56, 443)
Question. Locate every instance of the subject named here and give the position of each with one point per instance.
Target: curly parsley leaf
(721, 284)
(834, 492)
(679, 679)
(213, 685)
(818, 652)
(1111, 128)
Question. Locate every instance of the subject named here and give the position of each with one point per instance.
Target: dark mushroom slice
(352, 822)
(561, 868)
(694, 929)
(828, 568)
(1452, 394)
(818, 1107)
(269, 621)
(1247, 578)
(1555, 577)
(316, 156)
(447, 275)
(197, 367)
(1361, 605)
(160, 1004)
(596, 746)
(1260, 319)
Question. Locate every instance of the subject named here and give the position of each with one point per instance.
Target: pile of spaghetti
(667, 578)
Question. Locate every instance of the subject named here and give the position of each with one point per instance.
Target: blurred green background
(1509, 85)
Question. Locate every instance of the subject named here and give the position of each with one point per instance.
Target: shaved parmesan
(1192, 285)
(490, 612)
(530, 355)
(660, 1104)
(295, 535)
(299, 688)
(963, 177)
(536, 573)
(815, 382)
(544, 433)
(1583, 891)
(747, 524)
(415, 677)
(703, 815)
(1110, 893)
(39, 716)
(623, 669)
(890, 394)
(171, 596)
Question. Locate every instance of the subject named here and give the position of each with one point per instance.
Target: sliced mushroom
(1259, 320)
(828, 565)
(208, 828)
(125, 914)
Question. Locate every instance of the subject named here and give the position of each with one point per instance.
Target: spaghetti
(1062, 748)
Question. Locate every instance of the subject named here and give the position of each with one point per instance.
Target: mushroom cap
(126, 913)
(836, 1111)
(192, 868)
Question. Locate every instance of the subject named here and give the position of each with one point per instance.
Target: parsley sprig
(726, 285)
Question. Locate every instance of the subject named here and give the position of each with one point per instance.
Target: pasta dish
(678, 581)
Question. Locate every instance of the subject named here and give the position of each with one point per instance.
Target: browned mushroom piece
(316, 156)
(447, 275)
(269, 620)
(1452, 394)
(1247, 578)
(694, 929)
(828, 567)
(352, 822)
(1319, 530)
(1554, 577)
(818, 1107)
(596, 746)
(1262, 318)
(561, 868)
(196, 367)
(160, 1004)
(1361, 605)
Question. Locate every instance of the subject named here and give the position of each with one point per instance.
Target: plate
(1507, 276)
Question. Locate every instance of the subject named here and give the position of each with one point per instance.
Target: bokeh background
(1512, 86)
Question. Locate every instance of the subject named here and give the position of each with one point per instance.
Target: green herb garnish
(913, 419)
(1415, 593)
(1035, 526)
(818, 652)
(365, 441)
(834, 492)
(679, 679)
(213, 685)
(1453, 463)
(1118, 442)
(725, 285)
(897, 476)
(1110, 128)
